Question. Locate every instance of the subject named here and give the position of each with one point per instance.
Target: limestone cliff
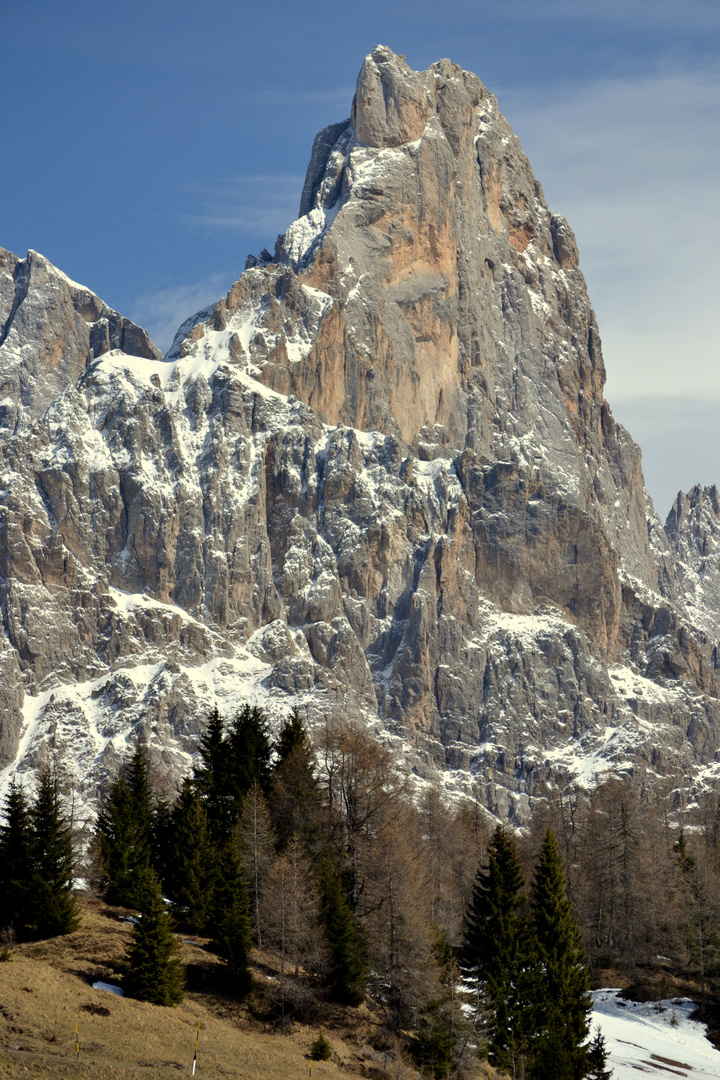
(379, 479)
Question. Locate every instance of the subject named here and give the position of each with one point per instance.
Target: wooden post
(197, 1036)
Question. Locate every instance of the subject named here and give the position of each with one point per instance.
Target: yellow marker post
(77, 1041)
(196, 1046)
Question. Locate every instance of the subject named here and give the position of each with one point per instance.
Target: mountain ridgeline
(377, 482)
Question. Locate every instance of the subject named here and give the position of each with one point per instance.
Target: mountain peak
(378, 479)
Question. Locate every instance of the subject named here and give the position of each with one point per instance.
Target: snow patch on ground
(654, 1039)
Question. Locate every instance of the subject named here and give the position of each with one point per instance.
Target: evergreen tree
(562, 1001)
(15, 862)
(232, 934)
(154, 971)
(434, 1043)
(249, 754)
(495, 950)
(347, 948)
(212, 780)
(162, 847)
(52, 906)
(295, 800)
(124, 832)
(193, 872)
(597, 1059)
(293, 736)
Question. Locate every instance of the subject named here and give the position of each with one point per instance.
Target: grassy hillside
(46, 989)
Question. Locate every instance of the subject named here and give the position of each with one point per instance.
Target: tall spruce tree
(192, 875)
(154, 971)
(597, 1058)
(15, 862)
(249, 754)
(52, 906)
(562, 1001)
(495, 952)
(347, 948)
(124, 832)
(212, 779)
(295, 800)
(232, 933)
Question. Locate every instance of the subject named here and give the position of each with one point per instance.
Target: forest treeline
(321, 856)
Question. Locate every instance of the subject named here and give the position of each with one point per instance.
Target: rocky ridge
(378, 480)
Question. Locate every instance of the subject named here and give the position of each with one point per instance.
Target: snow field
(654, 1039)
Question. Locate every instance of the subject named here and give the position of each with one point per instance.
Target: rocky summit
(377, 481)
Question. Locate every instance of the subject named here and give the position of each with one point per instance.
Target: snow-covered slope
(655, 1039)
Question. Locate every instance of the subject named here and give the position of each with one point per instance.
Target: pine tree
(597, 1058)
(560, 977)
(124, 832)
(232, 933)
(194, 866)
(154, 971)
(15, 862)
(495, 950)
(347, 971)
(249, 754)
(295, 800)
(434, 1043)
(211, 778)
(52, 906)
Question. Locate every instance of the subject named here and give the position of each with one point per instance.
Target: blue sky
(148, 147)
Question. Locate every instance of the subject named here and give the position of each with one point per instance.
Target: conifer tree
(249, 754)
(347, 970)
(15, 862)
(154, 971)
(560, 977)
(232, 933)
(495, 951)
(52, 905)
(295, 800)
(434, 1043)
(597, 1059)
(124, 832)
(212, 781)
(194, 865)
(257, 844)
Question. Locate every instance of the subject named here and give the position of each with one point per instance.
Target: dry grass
(46, 989)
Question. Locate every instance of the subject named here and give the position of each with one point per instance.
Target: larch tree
(257, 847)
(291, 918)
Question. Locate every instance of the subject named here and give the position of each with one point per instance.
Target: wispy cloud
(163, 310)
(633, 164)
(255, 205)
(339, 97)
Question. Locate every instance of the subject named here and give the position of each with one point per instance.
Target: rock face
(378, 479)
